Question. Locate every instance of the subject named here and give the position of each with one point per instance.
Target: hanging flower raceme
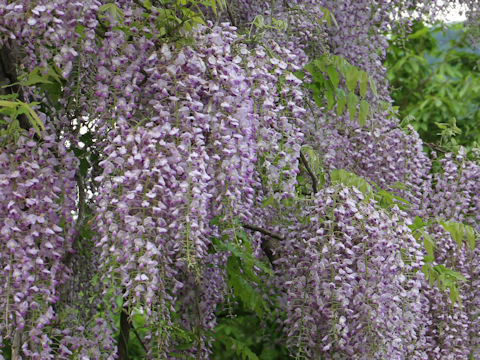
(454, 198)
(208, 127)
(37, 198)
(351, 281)
(166, 176)
(49, 31)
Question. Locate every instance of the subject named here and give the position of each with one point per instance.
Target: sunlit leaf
(352, 102)
(363, 112)
(333, 75)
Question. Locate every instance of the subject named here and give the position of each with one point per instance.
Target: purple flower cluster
(207, 112)
(209, 128)
(37, 197)
(50, 31)
(454, 196)
(394, 160)
(351, 281)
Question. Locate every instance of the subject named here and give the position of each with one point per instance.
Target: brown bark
(122, 344)
(8, 79)
(16, 345)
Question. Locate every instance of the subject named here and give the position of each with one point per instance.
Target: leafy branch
(326, 73)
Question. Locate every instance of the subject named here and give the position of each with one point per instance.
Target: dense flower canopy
(160, 157)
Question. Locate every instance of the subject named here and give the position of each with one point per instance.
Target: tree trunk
(16, 345)
(8, 76)
(124, 335)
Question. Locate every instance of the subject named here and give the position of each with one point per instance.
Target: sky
(453, 15)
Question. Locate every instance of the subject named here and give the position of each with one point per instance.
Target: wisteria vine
(159, 159)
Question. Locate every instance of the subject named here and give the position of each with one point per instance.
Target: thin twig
(81, 201)
(80, 218)
(310, 172)
(139, 338)
(435, 147)
(267, 244)
(263, 231)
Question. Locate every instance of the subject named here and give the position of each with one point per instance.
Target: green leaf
(454, 275)
(119, 301)
(363, 78)
(427, 242)
(15, 108)
(373, 87)
(34, 119)
(386, 199)
(259, 21)
(78, 152)
(455, 229)
(84, 166)
(244, 254)
(138, 320)
(79, 29)
(87, 138)
(240, 348)
(352, 101)
(326, 16)
(330, 99)
(454, 296)
(287, 202)
(299, 74)
(457, 233)
(398, 65)
(419, 33)
(313, 158)
(243, 289)
(113, 9)
(36, 76)
(432, 276)
(333, 75)
(310, 68)
(363, 112)
(341, 101)
(339, 62)
(320, 63)
(8, 104)
(351, 77)
(184, 346)
(147, 4)
(268, 201)
(471, 236)
(417, 223)
(318, 79)
(341, 176)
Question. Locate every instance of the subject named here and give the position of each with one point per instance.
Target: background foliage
(436, 83)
